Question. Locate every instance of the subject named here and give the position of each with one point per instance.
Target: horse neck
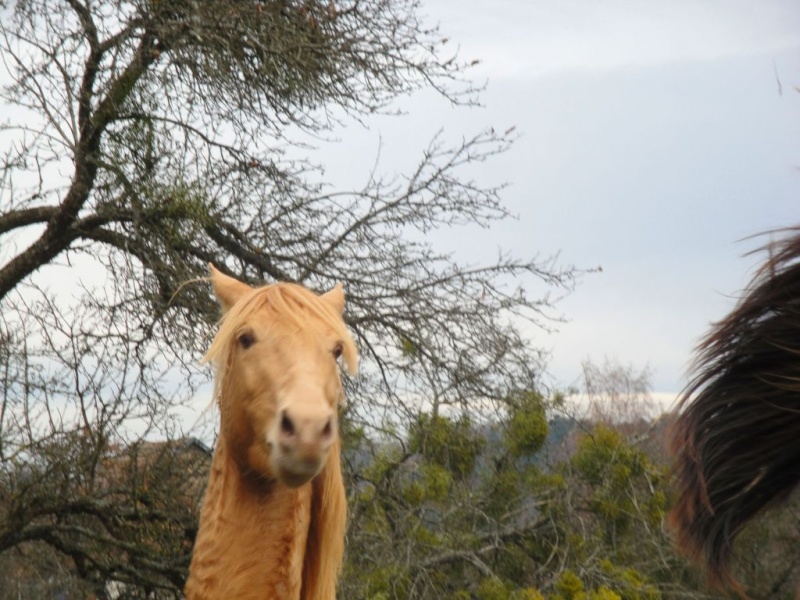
(252, 536)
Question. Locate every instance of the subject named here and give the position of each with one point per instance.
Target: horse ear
(227, 289)
(335, 298)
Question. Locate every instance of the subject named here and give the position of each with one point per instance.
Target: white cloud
(519, 38)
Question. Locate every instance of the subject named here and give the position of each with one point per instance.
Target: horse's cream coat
(273, 517)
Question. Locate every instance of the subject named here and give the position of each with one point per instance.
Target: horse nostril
(327, 431)
(287, 427)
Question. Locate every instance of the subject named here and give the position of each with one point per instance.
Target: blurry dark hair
(736, 442)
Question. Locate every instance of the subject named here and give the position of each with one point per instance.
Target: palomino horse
(273, 518)
(736, 442)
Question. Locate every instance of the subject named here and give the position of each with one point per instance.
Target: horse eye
(246, 339)
(337, 350)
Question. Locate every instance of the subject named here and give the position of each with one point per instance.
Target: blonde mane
(295, 315)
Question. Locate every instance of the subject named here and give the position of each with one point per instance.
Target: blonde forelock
(286, 302)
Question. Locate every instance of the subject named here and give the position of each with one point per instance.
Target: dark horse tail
(736, 442)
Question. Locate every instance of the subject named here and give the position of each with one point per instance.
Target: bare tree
(146, 138)
(618, 394)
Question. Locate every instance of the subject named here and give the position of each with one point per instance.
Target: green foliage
(589, 527)
(656, 508)
(384, 461)
(526, 594)
(614, 469)
(493, 588)
(432, 485)
(502, 492)
(513, 563)
(604, 593)
(407, 347)
(604, 457)
(382, 583)
(569, 586)
(628, 582)
(452, 444)
(351, 435)
(527, 425)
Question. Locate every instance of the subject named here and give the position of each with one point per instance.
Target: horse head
(278, 384)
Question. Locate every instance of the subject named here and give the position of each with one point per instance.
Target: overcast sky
(655, 136)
